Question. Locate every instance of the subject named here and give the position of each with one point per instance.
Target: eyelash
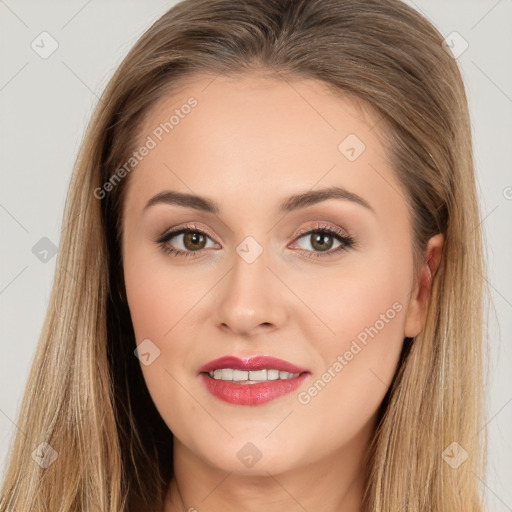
(347, 241)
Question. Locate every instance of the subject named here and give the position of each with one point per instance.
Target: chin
(258, 457)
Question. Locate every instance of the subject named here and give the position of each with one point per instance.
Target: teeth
(251, 377)
(226, 374)
(258, 375)
(272, 374)
(238, 375)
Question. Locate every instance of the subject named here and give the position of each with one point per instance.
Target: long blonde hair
(86, 396)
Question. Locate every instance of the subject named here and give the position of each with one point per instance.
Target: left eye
(319, 240)
(322, 238)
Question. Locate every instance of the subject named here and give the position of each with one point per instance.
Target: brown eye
(321, 241)
(194, 241)
(184, 242)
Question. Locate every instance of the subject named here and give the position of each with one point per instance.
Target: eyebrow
(292, 203)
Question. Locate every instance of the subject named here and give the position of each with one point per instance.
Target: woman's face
(259, 171)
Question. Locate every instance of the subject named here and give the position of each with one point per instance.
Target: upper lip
(251, 363)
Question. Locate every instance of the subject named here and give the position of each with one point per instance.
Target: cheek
(159, 300)
(365, 306)
(158, 297)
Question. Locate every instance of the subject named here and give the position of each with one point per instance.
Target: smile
(251, 381)
(251, 377)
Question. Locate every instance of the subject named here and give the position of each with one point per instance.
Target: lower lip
(251, 394)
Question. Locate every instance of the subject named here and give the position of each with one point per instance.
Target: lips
(251, 363)
(248, 386)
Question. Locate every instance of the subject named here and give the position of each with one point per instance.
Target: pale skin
(249, 144)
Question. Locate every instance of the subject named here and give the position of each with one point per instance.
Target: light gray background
(45, 106)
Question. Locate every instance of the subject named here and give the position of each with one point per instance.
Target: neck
(332, 484)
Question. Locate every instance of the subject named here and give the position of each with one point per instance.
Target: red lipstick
(252, 380)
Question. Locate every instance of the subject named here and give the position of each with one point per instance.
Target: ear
(417, 308)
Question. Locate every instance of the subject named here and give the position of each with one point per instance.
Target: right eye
(192, 240)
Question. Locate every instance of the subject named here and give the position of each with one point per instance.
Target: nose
(251, 299)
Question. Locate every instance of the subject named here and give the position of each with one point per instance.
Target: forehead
(255, 140)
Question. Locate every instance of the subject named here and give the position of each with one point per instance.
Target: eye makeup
(323, 230)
